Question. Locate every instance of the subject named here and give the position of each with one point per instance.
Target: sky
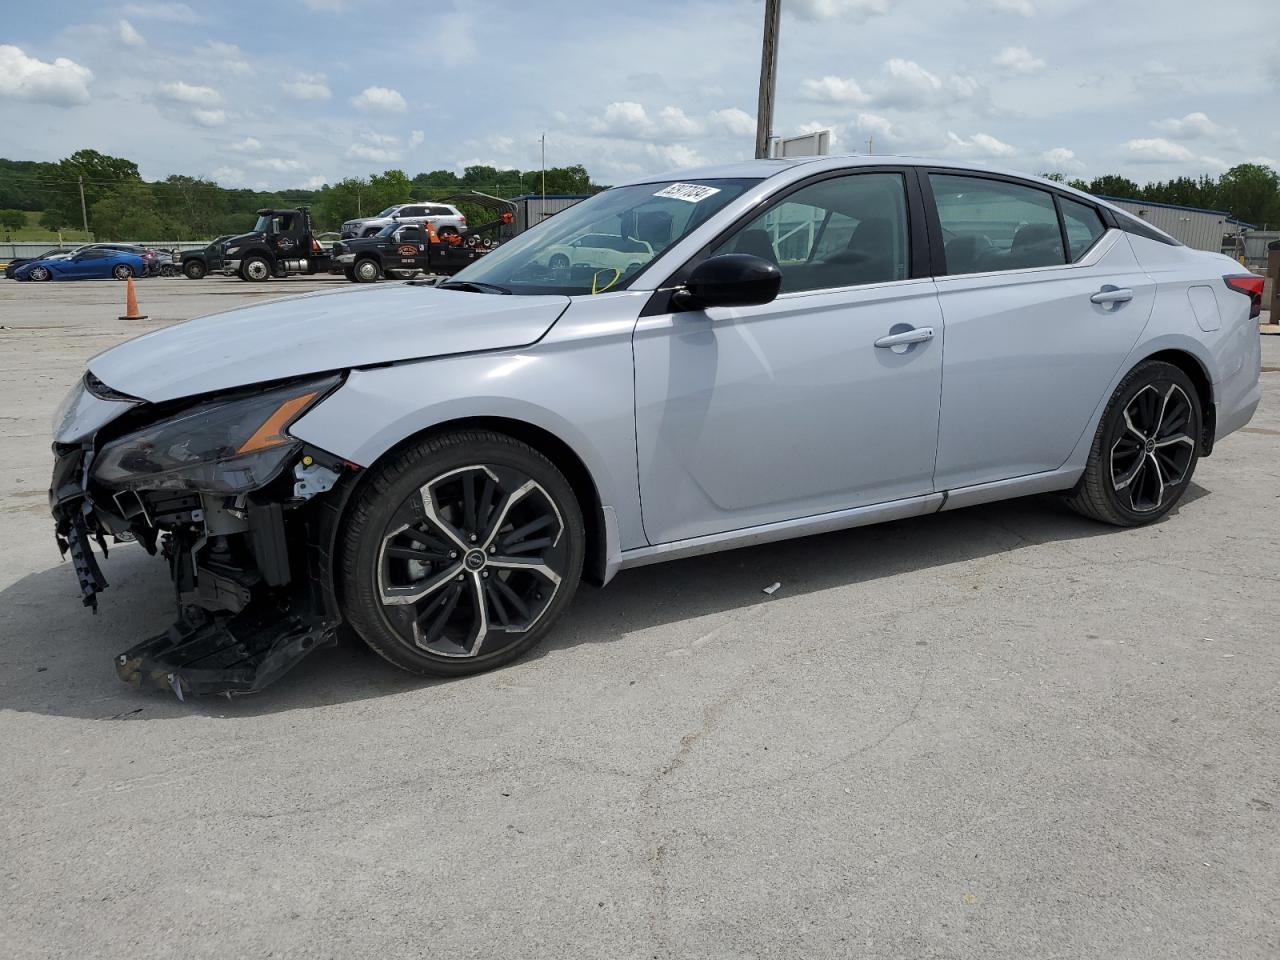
(297, 93)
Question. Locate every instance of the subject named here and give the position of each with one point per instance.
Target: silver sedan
(814, 344)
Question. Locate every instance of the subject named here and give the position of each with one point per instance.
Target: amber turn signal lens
(271, 433)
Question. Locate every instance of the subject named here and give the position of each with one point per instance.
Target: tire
(1146, 448)
(558, 262)
(255, 269)
(366, 270)
(122, 271)
(194, 269)
(40, 274)
(349, 273)
(389, 529)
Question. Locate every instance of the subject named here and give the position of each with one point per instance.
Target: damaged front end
(244, 514)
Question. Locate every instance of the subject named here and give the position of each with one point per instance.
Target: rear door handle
(1110, 294)
(906, 337)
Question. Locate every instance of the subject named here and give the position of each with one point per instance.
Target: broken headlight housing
(216, 446)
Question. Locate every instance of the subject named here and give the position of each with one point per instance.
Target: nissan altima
(814, 344)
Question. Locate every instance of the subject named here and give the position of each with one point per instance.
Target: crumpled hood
(319, 332)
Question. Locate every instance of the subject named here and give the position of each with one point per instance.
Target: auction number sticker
(688, 192)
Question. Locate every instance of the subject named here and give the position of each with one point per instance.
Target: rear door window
(1083, 225)
(992, 225)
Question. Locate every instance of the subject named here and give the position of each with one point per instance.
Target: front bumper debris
(253, 581)
(226, 655)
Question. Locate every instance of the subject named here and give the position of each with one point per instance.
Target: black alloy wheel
(460, 553)
(1146, 448)
(122, 271)
(194, 270)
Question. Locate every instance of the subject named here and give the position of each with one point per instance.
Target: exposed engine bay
(244, 515)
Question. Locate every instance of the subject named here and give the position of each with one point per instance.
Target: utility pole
(768, 77)
(84, 211)
(870, 140)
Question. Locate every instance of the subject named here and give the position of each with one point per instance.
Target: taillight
(1250, 284)
(463, 221)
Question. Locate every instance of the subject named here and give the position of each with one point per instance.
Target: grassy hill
(34, 232)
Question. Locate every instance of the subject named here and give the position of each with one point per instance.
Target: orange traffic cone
(131, 305)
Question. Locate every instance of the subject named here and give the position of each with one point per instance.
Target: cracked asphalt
(1004, 732)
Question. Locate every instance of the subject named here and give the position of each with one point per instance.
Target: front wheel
(460, 553)
(122, 271)
(194, 270)
(40, 274)
(366, 271)
(255, 269)
(1145, 450)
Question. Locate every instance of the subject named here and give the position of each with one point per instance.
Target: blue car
(91, 264)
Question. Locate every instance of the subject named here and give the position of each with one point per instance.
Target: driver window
(839, 232)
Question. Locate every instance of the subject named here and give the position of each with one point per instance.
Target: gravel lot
(1000, 732)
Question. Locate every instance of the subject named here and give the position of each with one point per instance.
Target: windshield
(603, 242)
(388, 230)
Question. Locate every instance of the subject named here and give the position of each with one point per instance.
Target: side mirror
(730, 280)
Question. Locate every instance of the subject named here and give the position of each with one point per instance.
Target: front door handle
(906, 338)
(1110, 294)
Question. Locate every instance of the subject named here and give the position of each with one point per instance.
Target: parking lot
(998, 732)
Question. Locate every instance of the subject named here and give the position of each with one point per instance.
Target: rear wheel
(366, 270)
(1145, 450)
(194, 269)
(460, 553)
(558, 262)
(255, 269)
(122, 271)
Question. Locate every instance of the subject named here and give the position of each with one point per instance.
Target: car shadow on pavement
(56, 657)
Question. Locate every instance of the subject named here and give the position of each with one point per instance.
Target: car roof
(778, 166)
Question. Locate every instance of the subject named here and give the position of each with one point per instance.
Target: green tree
(190, 203)
(131, 213)
(103, 175)
(340, 201)
(12, 219)
(1251, 192)
(1113, 186)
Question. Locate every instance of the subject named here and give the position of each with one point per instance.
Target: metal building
(1197, 228)
(533, 208)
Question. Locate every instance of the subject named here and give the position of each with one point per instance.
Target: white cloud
(163, 12)
(1018, 60)
(380, 99)
(128, 35)
(1158, 150)
(629, 120)
(1061, 160)
(247, 145)
(878, 126)
(328, 6)
(836, 90)
(228, 176)
(381, 139)
(314, 183)
(1022, 8)
(231, 58)
(277, 164)
(181, 92)
(675, 154)
(62, 82)
(1190, 127)
(308, 86)
(416, 138)
(362, 151)
(979, 145)
(900, 83)
(500, 143)
(733, 121)
(831, 9)
(209, 118)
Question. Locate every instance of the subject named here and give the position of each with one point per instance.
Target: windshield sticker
(688, 192)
